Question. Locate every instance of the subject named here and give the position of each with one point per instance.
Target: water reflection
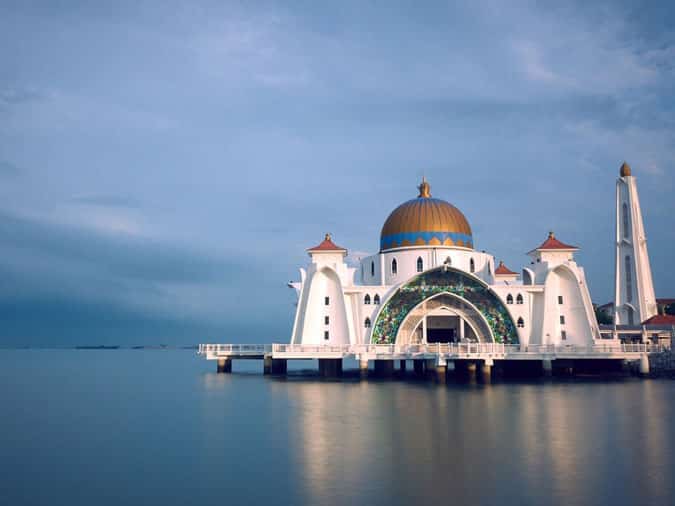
(522, 443)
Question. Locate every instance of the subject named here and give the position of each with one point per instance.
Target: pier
(477, 358)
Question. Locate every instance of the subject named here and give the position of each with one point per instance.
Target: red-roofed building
(327, 246)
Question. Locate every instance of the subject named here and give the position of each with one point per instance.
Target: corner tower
(634, 299)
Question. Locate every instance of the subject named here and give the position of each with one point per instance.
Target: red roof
(503, 270)
(552, 243)
(660, 319)
(327, 245)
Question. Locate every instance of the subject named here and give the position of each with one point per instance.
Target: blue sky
(164, 165)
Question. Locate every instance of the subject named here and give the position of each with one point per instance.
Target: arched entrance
(463, 294)
(444, 318)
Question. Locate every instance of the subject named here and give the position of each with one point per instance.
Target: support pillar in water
(419, 367)
(330, 367)
(486, 370)
(384, 368)
(267, 364)
(279, 365)
(471, 370)
(547, 367)
(644, 365)
(224, 365)
(403, 365)
(363, 367)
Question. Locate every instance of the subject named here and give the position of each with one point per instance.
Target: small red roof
(660, 319)
(552, 243)
(503, 270)
(327, 245)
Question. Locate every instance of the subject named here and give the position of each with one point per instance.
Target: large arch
(454, 305)
(436, 281)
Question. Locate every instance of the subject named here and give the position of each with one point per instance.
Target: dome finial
(551, 235)
(327, 237)
(425, 189)
(625, 170)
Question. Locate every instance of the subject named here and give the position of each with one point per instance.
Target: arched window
(448, 261)
(631, 316)
(509, 299)
(489, 269)
(372, 269)
(625, 220)
(629, 280)
(367, 323)
(521, 323)
(472, 266)
(519, 299)
(376, 299)
(420, 264)
(394, 266)
(366, 299)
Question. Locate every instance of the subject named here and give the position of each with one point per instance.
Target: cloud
(108, 201)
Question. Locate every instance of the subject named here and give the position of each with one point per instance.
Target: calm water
(160, 427)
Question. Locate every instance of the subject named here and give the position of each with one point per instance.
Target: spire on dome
(425, 189)
(625, 170)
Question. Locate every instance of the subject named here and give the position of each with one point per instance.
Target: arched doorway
(444, 318)
(462, 293)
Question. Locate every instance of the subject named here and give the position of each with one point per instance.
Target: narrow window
(509, 299)
(448, 261)
(489, 269)
(519, 299)
(394, 266)
(326, 301)
(420, 264)
(631, 317)
(367, 323)
(521, 323)
(560, 299)
(366, 299)
(562, 320)
(563, 335)
(629, 280)
(326, 320)
(376, 299)
(372, 269)
(625, 220)
(472, 265)
(326, 336)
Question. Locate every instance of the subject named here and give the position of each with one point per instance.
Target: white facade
(634, 299)
(423, 293)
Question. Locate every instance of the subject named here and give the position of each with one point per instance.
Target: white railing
(461, 349)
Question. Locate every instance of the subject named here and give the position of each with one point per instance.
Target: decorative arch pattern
(453, 281)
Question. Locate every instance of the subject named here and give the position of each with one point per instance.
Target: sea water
(104, 427)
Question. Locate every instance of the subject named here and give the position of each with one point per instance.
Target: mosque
(427, 284)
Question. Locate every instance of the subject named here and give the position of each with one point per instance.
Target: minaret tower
(634, 299)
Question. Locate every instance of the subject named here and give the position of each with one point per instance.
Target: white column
(461, 328)
(424, 328)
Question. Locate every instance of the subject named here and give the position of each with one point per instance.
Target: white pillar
(424, 328)
(461, 328)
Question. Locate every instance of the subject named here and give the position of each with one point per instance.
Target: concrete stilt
(267, 364)
(441, 371)
(547, 367)
(644, 365)
(471, 370)
(419, 367)
(330, 367)
(403, 365)
(486, 370)
(224, 365)
(279, 365)
(384, 368)
(363, 367)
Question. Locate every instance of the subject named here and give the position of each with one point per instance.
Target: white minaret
(634, 299)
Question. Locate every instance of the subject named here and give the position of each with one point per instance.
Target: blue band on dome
(395, 240)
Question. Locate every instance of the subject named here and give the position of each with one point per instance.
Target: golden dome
(425, 221)
(625, 170)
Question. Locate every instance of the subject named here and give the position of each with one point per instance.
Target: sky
(165, 165)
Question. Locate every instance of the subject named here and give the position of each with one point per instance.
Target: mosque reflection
(421, 442)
